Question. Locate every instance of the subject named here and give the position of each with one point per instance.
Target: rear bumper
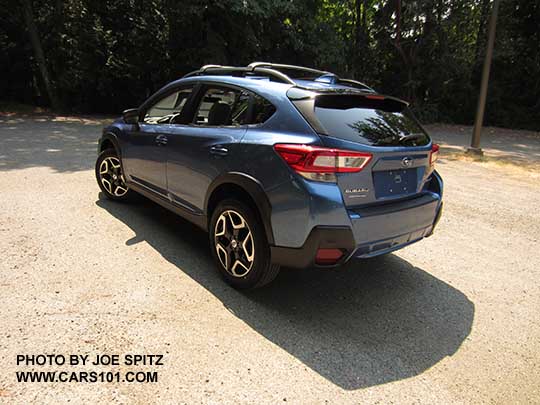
(340, 237)
(381, 229)
(374, 231)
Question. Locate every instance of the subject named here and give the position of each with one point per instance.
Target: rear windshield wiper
(410, 137)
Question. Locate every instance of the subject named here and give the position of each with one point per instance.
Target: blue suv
(282, 165)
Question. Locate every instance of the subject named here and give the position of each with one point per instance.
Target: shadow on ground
(377, 321)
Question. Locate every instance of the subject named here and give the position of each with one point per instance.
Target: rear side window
(223, 106)
(369, 120)
(262, 110)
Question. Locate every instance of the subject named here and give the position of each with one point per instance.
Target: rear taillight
(321, 164)
(434, 154)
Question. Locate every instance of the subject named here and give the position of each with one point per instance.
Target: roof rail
(278, 66)
(273, 70)
(206, 67)
(242, 71)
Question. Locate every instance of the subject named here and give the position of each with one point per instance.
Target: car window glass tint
(262, 110)
(240, 109)
(222, 106)
(384, 122)
(168, 109)
(231, 107)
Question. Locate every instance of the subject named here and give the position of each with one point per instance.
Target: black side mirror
(131, 116)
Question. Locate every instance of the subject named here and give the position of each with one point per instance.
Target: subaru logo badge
(407, 162)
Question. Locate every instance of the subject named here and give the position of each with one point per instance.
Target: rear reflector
(328, 256)
(434, 154)
(315, 162)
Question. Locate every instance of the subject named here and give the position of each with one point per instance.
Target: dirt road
(453, 319)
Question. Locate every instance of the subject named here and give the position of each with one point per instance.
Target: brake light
(434, 154)
(321, 164)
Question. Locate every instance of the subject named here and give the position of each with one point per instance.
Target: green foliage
(105, 55)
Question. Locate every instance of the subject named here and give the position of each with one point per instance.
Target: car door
(145, 155)
(200, 151)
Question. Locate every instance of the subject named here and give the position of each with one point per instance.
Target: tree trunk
(358, 45)
(39, 55)
(485, 7)
(364, 16)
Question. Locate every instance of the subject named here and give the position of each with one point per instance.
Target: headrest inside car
(219, 114)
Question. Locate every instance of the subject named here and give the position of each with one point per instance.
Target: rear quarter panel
(297, 205)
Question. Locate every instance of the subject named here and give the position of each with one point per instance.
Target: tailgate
(389, 176)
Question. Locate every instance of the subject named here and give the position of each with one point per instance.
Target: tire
(110, 176)
(236, 236)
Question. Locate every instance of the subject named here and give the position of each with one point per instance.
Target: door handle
(161, 140)
(219, 150)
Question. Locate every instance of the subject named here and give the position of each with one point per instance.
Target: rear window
(370, 121)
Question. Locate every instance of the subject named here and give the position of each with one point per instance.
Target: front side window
(168, 110)
(222, 106)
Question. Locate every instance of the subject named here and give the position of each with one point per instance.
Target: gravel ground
(453, 319)
(500, 146)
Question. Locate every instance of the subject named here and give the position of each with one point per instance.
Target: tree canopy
(104, 56)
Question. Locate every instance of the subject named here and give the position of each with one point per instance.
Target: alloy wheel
(111, 176)
(234, 245)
